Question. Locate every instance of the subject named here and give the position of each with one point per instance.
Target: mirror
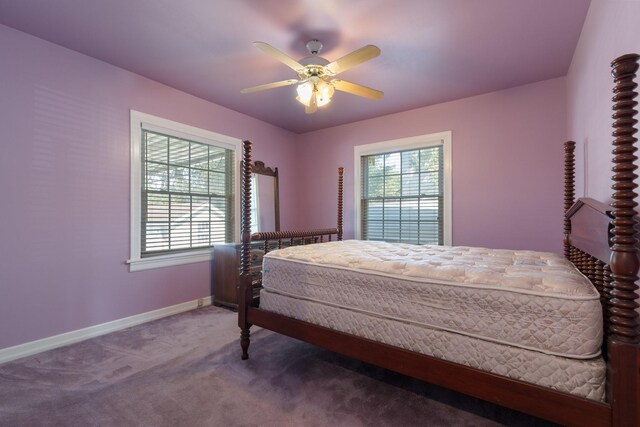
(265, 203)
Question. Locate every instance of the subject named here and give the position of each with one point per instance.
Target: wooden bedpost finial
(569, 191)
(623, 320)
(340, 201)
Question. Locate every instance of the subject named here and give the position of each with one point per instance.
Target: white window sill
(139, 264)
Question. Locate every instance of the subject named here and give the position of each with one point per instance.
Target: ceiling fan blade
(269, 86)
(313, 105)
(356, 89)
(280, 56)
(352, 59)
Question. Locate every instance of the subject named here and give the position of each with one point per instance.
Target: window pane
(410, 161)
(391, 210)
(392, 163)
(375, 187)
(218, 232)
(410, 209)
(429, 209)
(156, 147)
(375, 165)
(157, 207)
(218, 219)
(179, 179)
(410, 232)
(199, 181)
(374, 231)
(157, 236)
(199, 156)
(430, 159)
(178, 152)
(429, 233)
(430, 183)
(157, 177)
(217, 183)
(410, 184)
(392, 186)
(217, 159)
(373, 210)
(392, 231)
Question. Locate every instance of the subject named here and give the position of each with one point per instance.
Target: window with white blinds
(404, 194)
(184, 187)
(187, 194)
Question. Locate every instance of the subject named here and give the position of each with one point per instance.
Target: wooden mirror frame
(261, 169)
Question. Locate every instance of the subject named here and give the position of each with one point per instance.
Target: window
(183, 192)
(404, 190)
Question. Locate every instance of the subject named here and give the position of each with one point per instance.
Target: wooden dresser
(226, 273)
(226, 269)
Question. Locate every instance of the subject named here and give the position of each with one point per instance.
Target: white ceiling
(432, 50)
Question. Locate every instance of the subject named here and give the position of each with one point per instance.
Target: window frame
(152, 123)
(410, 143)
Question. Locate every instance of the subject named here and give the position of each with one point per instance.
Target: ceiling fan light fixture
(305, 92)
(315, 87)
(324, 93)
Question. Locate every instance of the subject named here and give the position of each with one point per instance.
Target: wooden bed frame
(599, 240)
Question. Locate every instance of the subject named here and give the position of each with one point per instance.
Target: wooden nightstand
(226, 273)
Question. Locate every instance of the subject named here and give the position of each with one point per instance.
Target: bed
(556, 337)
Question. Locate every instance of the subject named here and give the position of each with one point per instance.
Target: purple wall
(64, 170)
(506, 165)
(65, 174)
(610, 30)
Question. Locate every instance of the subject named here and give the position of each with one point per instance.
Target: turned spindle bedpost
(624, 333)
(569, 192)
(340, 200)
(245, 291)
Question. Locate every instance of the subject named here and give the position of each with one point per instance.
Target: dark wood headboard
(590, 228)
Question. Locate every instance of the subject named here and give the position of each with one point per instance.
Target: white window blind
(187, 194)
(402, 196)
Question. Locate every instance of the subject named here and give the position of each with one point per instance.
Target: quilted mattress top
(532, 272)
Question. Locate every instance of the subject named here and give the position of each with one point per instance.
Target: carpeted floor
(185, 370)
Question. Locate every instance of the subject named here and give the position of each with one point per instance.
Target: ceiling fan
(316, 82)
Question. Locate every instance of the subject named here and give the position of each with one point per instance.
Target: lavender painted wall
(64, 169)
(610, 30)
(506, 163)
(65, 217)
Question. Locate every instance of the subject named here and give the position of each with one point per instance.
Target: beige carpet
(185, 370)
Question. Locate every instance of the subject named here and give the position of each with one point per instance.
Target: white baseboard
(33, 347)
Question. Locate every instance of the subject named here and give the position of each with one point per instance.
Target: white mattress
(531, 300)
(585, 378)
